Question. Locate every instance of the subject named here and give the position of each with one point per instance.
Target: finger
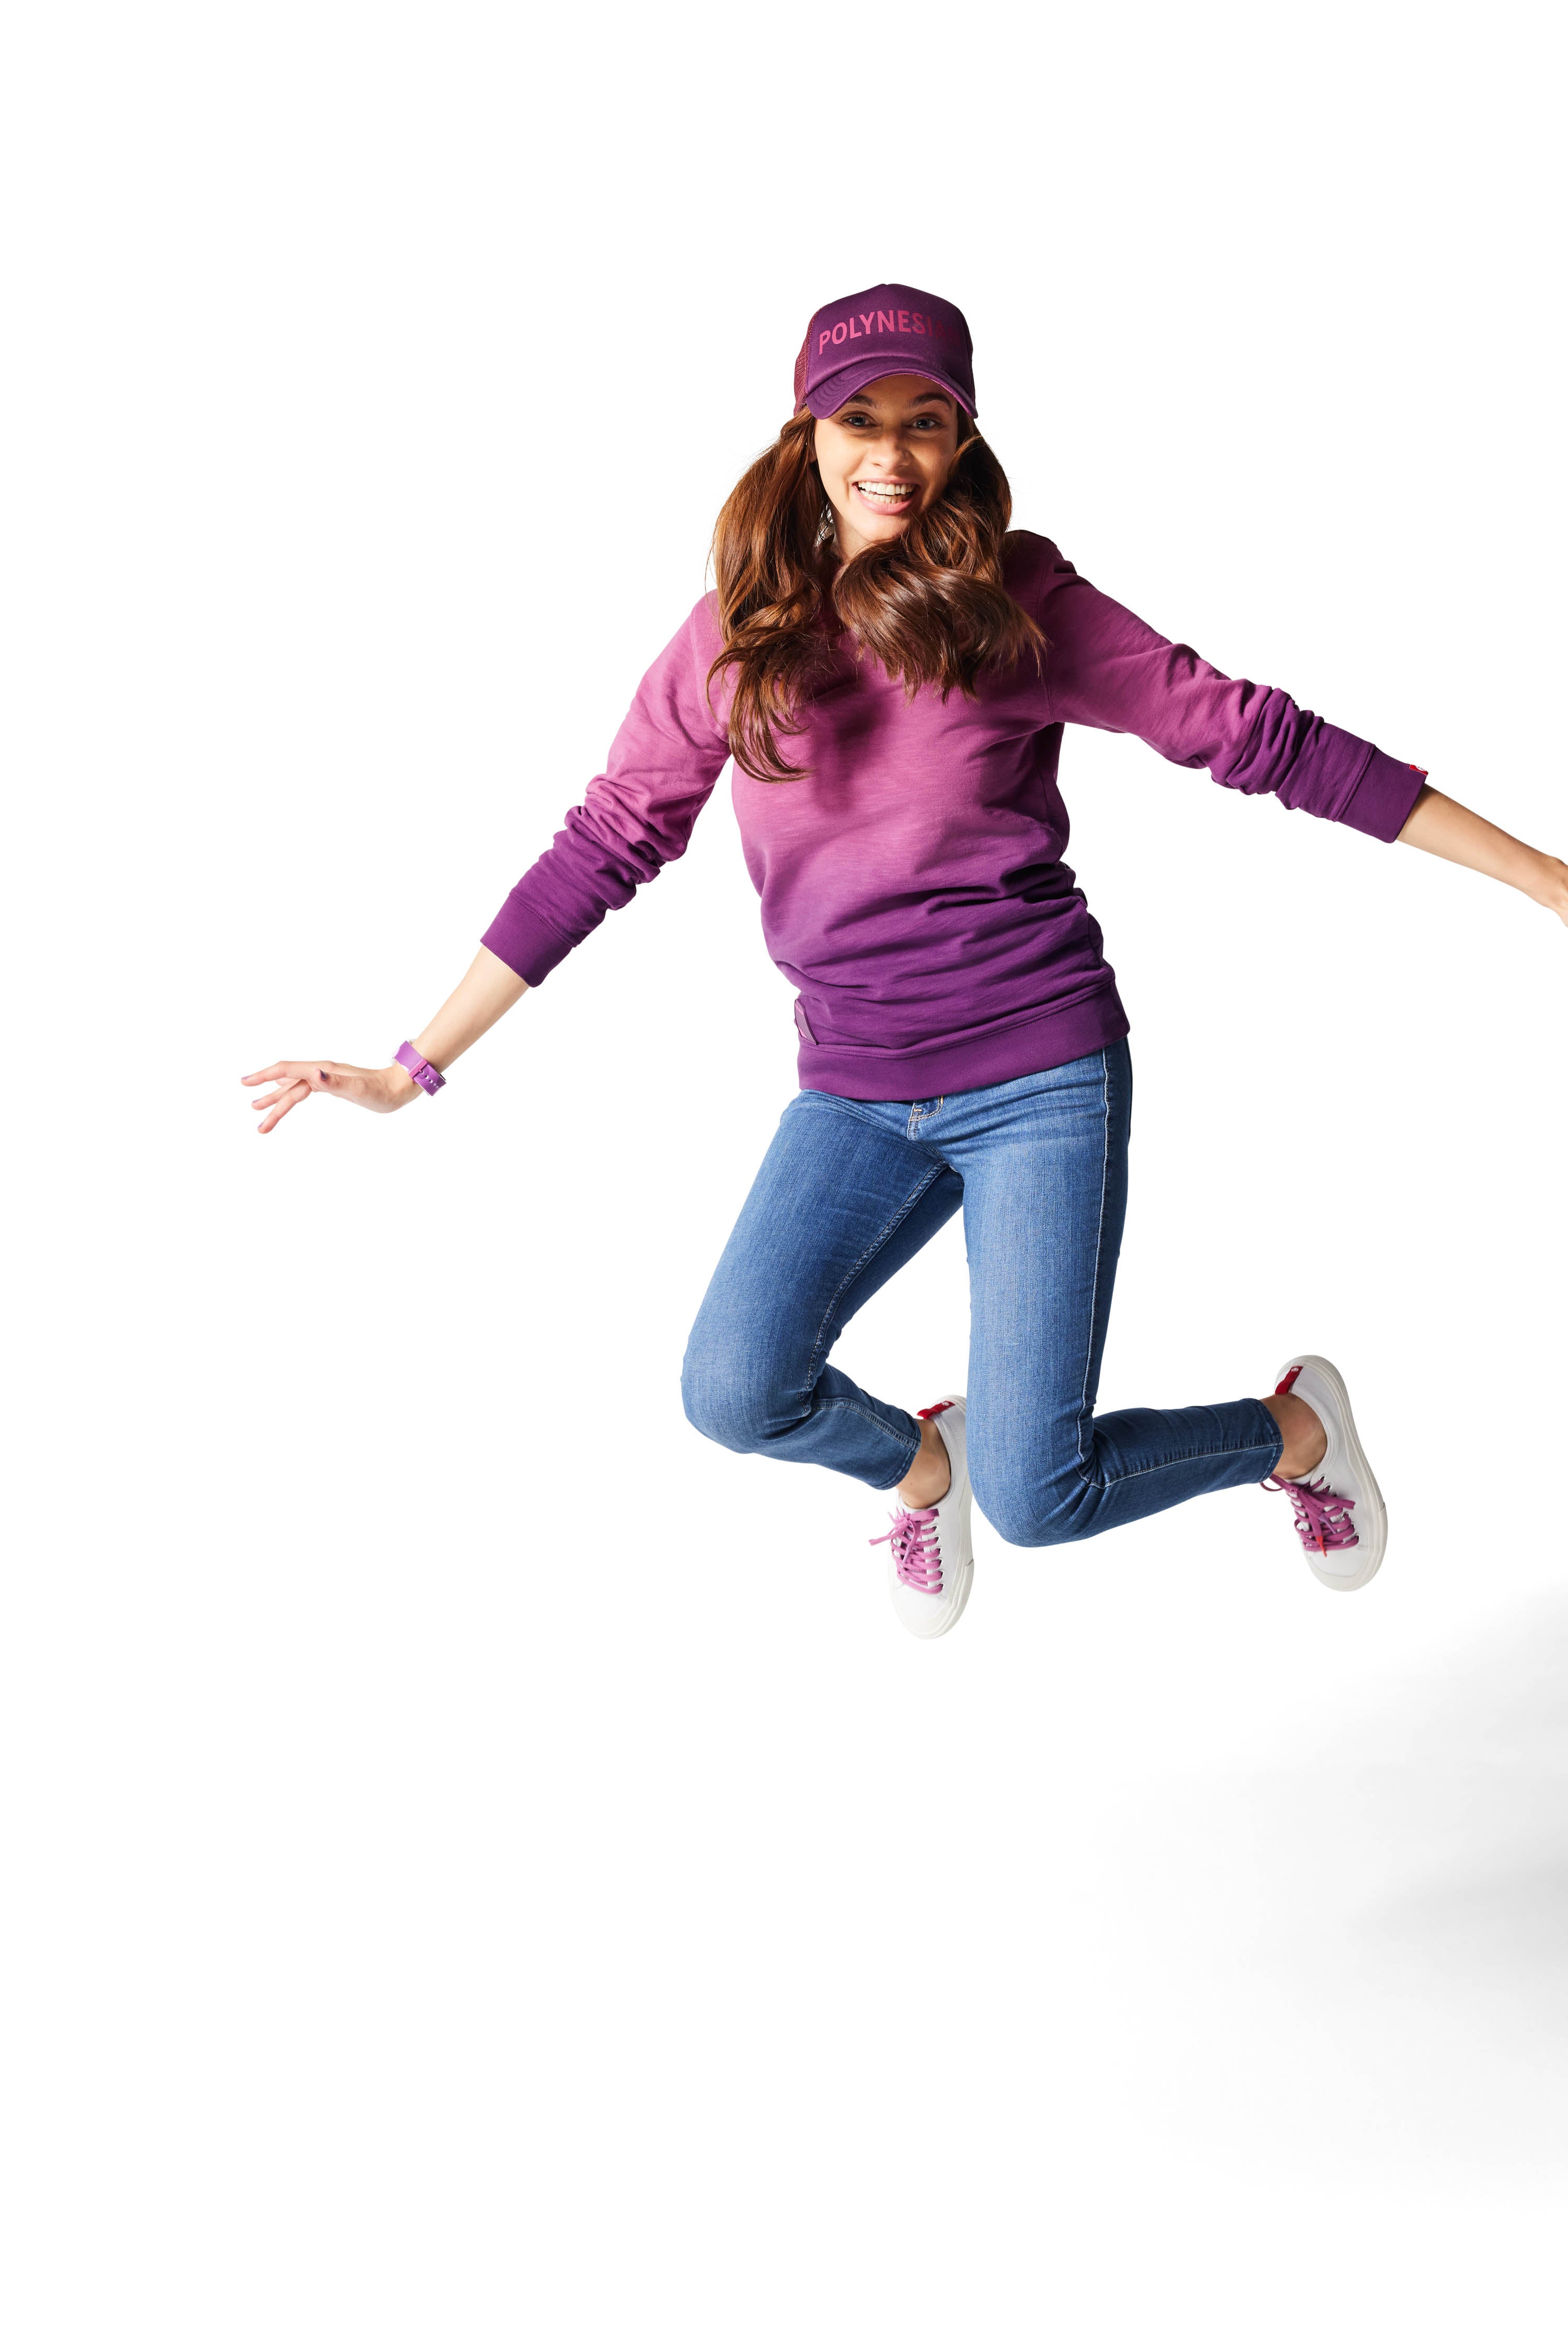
(284, 1098)
(295, 1093)
(291, 1074)
(288, 1071)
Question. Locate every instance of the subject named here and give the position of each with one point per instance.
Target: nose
(888, 452)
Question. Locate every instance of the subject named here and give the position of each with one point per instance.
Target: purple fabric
(913, 886)
(887, 330)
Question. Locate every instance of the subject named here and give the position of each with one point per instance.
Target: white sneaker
(930, 1560)
(1340, 1516)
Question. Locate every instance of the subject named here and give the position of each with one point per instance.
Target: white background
(483, 1865)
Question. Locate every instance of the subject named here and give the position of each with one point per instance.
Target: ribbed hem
(526, 942)
(1386, 792)
(1044, 1040)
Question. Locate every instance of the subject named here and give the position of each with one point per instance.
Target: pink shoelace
(916, 1555)
(916, 1552)
(1322, 1516)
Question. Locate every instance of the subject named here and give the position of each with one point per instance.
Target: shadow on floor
(1361, 1955)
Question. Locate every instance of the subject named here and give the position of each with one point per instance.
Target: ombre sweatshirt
(914, 893)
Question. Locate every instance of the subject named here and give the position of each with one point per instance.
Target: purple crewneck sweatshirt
(913, 886)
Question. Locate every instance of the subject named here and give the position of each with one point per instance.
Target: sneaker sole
(962, 1582)
(1371, 1517)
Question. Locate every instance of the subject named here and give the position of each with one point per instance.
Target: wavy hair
(929, 605)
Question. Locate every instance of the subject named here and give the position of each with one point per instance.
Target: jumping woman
(890, 668)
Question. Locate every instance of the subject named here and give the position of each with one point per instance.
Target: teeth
(890, 491)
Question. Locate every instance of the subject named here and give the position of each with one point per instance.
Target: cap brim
(834, 390)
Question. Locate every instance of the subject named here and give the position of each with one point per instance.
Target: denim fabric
(848, 1192)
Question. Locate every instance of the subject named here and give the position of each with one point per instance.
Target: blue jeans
(847, 1193)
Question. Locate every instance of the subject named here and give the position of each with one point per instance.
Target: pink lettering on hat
(821, 376)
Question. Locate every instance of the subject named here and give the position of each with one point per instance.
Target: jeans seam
(892, 1226)
(1099, 1245)
(1209, 1452)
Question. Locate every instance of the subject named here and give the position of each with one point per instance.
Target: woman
(890, 669)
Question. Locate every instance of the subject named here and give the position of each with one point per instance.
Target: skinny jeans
(848, 1192)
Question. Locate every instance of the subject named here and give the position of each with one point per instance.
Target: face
(885, 455)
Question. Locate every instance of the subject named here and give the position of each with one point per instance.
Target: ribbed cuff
(1384, 795)
(525, 941)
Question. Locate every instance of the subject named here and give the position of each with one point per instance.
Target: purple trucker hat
(887, 330)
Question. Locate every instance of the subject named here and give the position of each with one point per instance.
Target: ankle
(1306, 1438)
(930, 1473)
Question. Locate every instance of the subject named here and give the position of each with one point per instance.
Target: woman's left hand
(295, 1082)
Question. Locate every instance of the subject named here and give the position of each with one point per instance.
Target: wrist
(1547, 885)
(420, 1068)
(399, 1085)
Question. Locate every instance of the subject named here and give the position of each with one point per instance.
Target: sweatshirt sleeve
(1106, 668)
(662, 766)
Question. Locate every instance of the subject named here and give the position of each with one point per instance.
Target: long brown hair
(929, 605)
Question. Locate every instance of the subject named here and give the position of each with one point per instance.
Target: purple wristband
(422, 1071)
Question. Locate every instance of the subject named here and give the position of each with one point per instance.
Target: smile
(888, 494)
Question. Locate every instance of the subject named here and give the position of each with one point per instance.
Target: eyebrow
(858, 399)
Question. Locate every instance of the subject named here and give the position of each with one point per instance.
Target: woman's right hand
(386, 1089)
